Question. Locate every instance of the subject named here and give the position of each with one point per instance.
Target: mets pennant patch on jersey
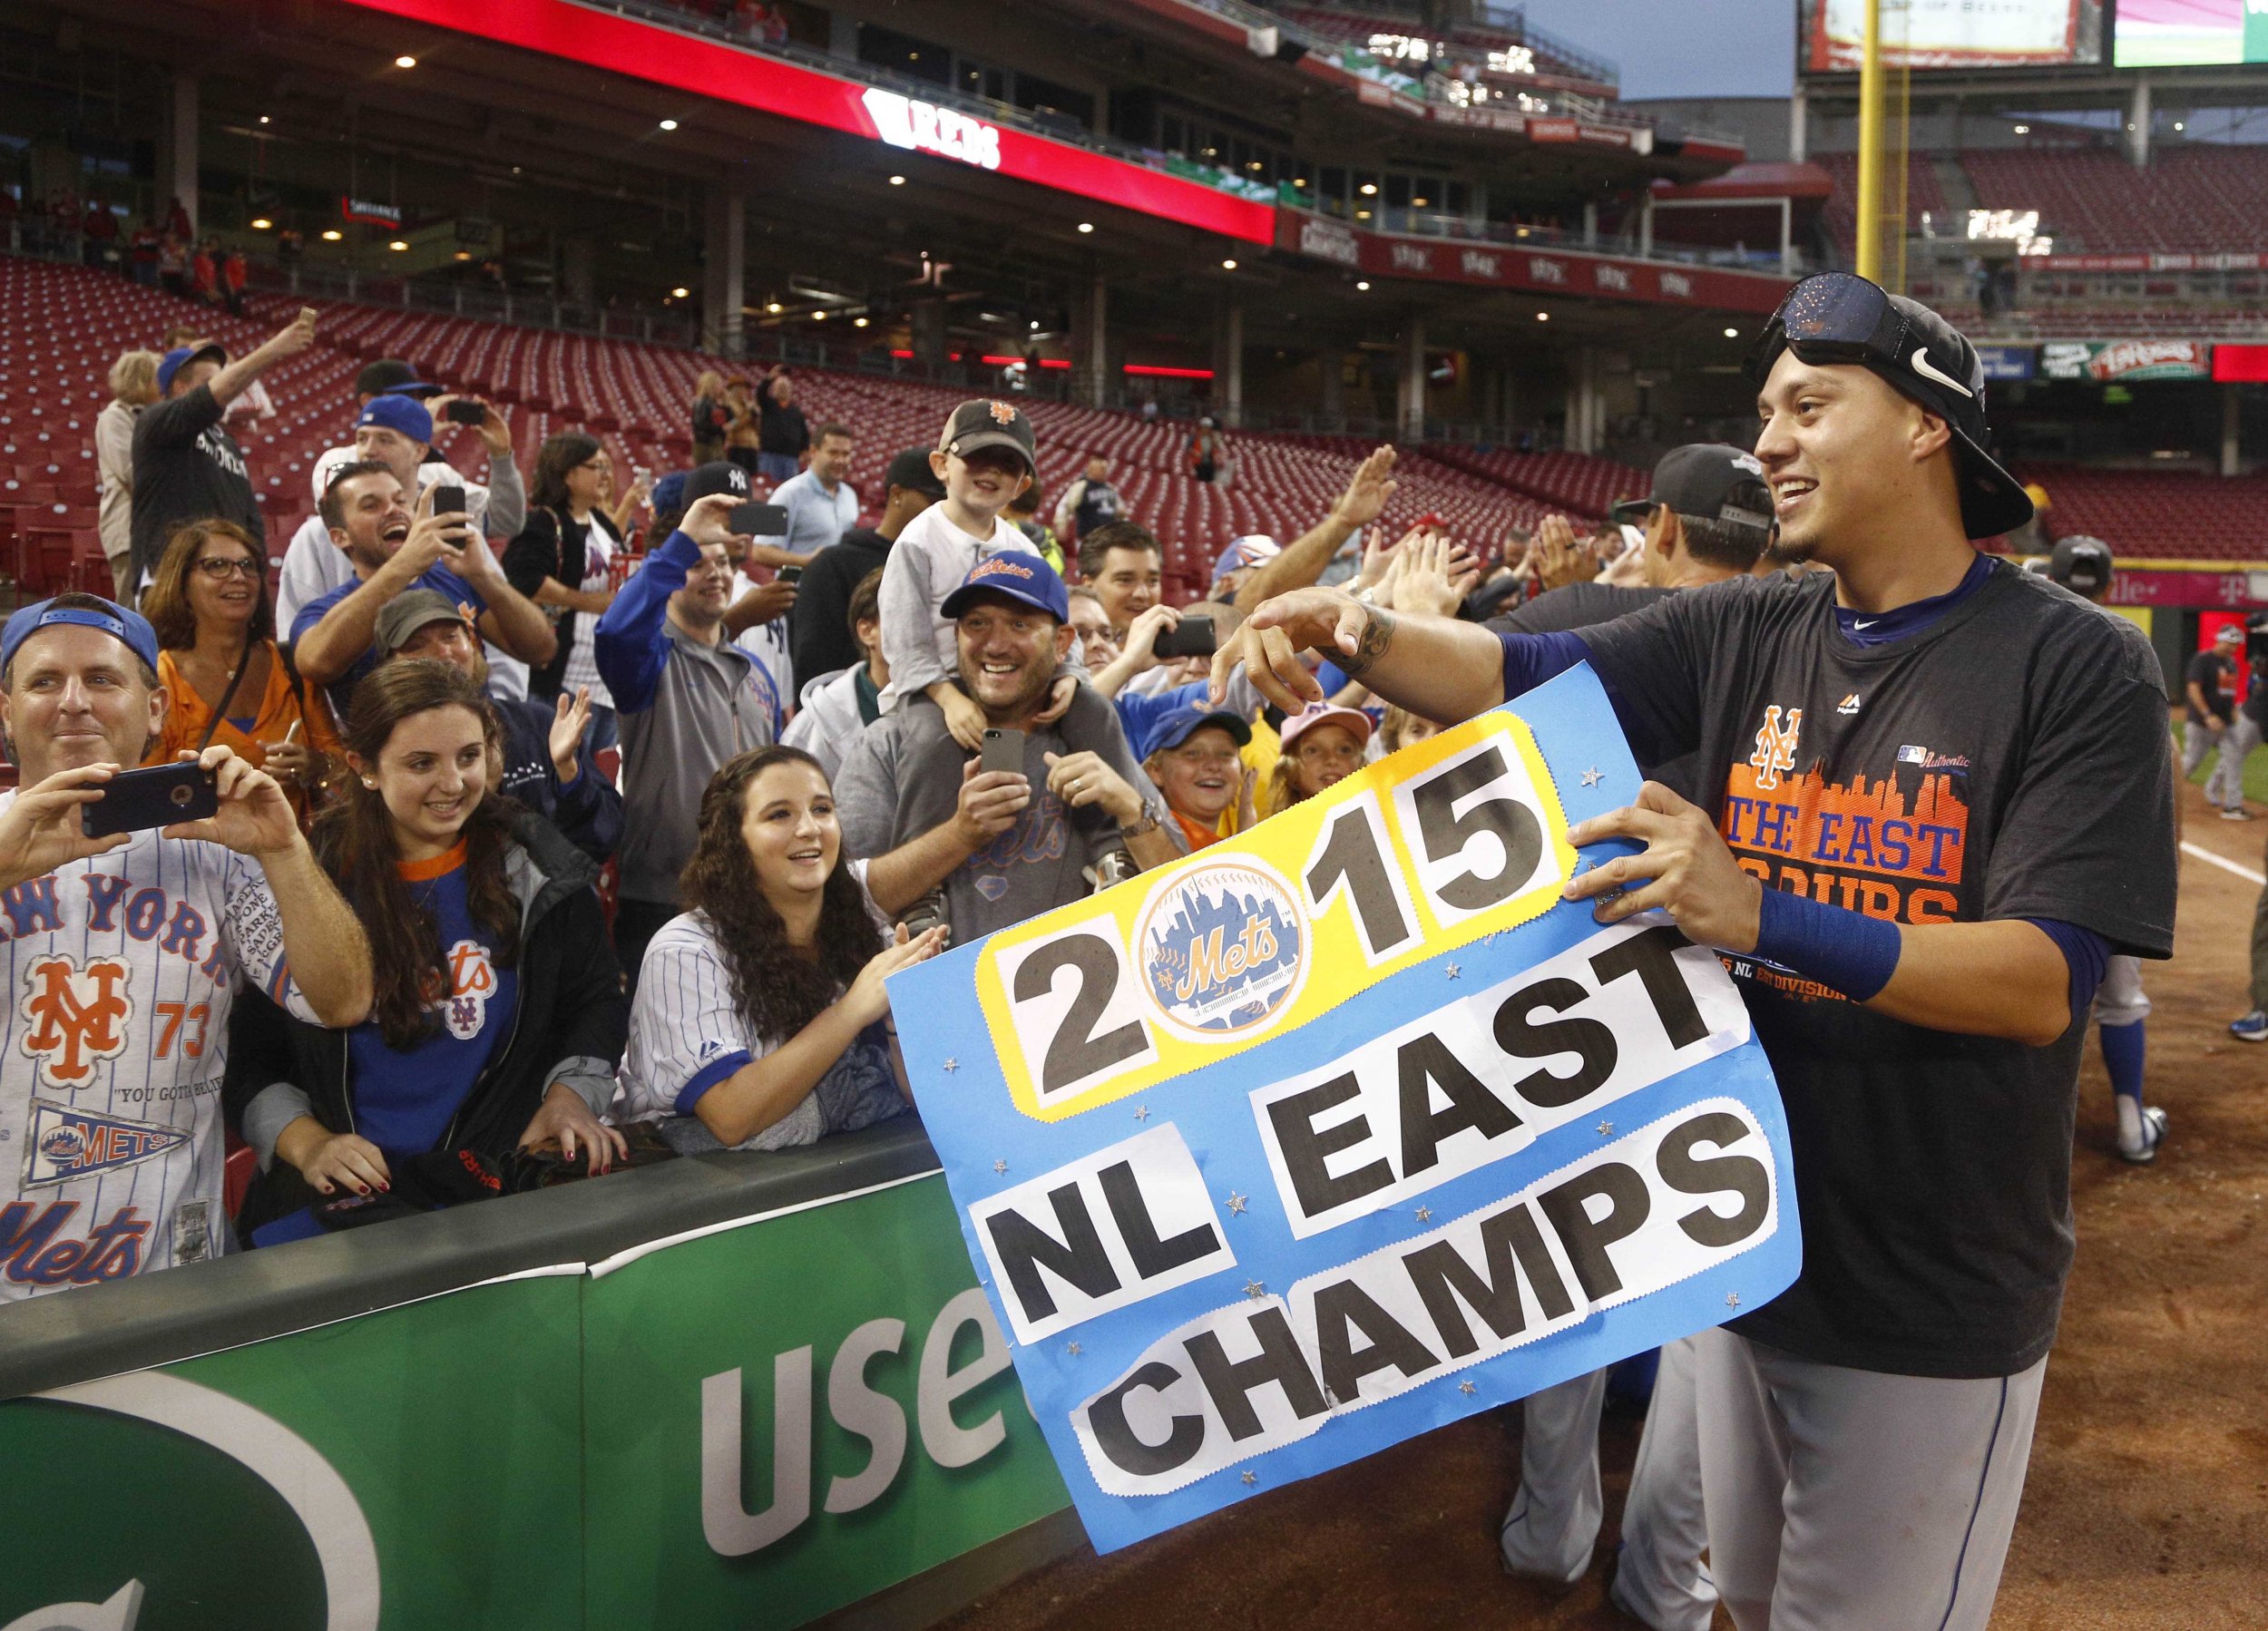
(116, 974)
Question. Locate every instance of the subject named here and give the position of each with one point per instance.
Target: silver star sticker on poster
(1424, 1214)
(1256, 1288)
(1142, 1113)
(1074, 1350)
(952, 1065)
(1251, 1477)
(1466, 1387)
(1452, 970)
(1605, 1127)
(1732, 1299)
(1235, 1201)
(1593, 777)
(1000, 1166)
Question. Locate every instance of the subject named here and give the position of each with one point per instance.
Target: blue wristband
(1849, 951)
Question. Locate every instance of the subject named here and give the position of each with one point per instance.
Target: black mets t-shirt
(2010, 760)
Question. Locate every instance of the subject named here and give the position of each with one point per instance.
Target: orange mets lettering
(77, 1018)
(1212, 965)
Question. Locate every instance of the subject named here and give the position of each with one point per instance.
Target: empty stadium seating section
(60, 327)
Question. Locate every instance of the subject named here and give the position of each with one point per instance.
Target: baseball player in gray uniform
(2084, 566)
(1888, 758)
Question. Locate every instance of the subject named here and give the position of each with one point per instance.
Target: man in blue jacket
(688, 698)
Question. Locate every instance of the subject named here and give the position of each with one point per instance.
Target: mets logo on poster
(1222, 948)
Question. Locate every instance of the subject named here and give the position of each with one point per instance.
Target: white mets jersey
(115, 979)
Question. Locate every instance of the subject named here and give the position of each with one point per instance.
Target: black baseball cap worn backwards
(1709, 481)
(1839, 318)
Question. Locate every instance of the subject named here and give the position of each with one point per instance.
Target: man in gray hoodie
(688, 698)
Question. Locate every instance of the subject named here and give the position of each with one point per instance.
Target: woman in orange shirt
(218, 661)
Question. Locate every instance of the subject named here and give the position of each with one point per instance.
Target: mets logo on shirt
(1775, 745)
(76, 1018)
(472, 981)
(66, 1144)
(1222, 948)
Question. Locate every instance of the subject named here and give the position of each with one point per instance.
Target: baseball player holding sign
(1889, 760)
(122, 954)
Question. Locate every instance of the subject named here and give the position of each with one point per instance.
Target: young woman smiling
(498, 1016)
(758, 1022)
(229, 680)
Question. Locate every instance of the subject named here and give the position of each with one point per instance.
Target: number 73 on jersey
(1448, 841)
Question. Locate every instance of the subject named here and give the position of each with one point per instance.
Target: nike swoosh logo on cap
(1930, 370)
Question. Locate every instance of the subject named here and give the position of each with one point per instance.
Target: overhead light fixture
(261, 223)
(398, 245)
(1418, 203)
(1543, 317)
(1086, 226)
(680, 292)
(332, 235)
(668, 125)
(1370, 188)
(2179, 125)
(773, 307)
(2023, 130)
(263, 119)
(898, 180)
(463, 254)
(1035, 325)
(1362, 215)
(858, 322)
(1732, 334)
(1363, 285)
(405, 61)
(1228, 265)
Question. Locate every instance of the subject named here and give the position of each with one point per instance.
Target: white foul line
(2245, 872)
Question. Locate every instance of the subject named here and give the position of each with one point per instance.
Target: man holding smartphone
(396, 426)
(396, 545)
(126, 950)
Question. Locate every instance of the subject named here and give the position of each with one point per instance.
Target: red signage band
(1549, 271)
(705, 67)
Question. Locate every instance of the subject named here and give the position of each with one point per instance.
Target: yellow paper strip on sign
(1448, 841)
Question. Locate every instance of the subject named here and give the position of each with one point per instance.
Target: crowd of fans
(789, 752)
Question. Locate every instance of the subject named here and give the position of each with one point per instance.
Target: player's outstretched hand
(564, 1116)
(868, 999)
(1269, 641)
(40, 829)
(254, 818)
(1686, 869)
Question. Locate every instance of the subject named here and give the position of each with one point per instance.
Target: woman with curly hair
(497, 1016)
(758, 1022)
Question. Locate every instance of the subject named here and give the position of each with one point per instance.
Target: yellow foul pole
(1870, 241)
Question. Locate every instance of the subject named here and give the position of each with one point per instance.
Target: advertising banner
(784, 1418)
(2006, 362)
(415, 1468)
(1953, 33)
(2165, 34)
(2124, 361)
(1348, 1127)
(752, 1426)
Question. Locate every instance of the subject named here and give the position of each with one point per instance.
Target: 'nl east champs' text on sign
(1348, 1126)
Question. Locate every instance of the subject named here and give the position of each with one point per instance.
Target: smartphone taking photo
(133, 801)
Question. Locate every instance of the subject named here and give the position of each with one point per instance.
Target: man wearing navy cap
(999, 842)
(125, 953)
(395, 424)
(186, 466)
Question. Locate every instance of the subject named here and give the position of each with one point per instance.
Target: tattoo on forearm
(1377, 635)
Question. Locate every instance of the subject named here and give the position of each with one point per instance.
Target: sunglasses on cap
(1835, 318)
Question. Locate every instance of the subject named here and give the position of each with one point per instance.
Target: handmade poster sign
(1348, 1127)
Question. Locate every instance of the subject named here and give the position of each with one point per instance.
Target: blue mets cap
(1170, 729)
(1018, 576)
(181, 357)
(404, 414)
(130, 627)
